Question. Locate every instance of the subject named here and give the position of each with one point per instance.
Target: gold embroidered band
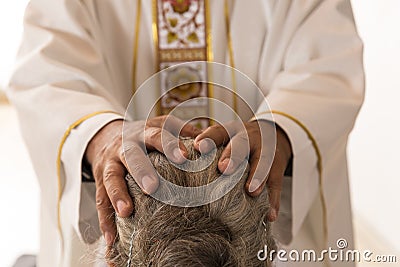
(182, 36)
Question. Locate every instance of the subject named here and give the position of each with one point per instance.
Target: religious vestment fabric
(74, 75)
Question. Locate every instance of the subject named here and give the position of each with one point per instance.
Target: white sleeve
(61, 89)
(312, 67)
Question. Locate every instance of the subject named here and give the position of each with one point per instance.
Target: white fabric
(76, 59)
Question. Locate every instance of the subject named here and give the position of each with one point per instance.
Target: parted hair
(227, 232)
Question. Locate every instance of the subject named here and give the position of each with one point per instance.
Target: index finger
(174, 125)
(218, 134)
(117, 191)
(141, 169)
(262, 161)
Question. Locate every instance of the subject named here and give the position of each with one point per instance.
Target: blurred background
(373, 148)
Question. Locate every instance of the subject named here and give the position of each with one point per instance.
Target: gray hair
(226, 232)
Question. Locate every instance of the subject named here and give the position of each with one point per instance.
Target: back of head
(227, 232)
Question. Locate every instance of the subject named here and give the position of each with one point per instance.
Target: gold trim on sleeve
(319, 167)
(210, 54)
(58, 163)
(210, 58)
(154, 27)
(231, 57)
(136, 45)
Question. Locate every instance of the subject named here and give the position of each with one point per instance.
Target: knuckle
(153, 121)
(97, 171)
(161, 119)
(165, 117)
(114, 192)
(108, 175)
(212, 129)
(112, 171)
(101, 202)
(217, 127)
(153, 134)
(104, 225)
(116, 141)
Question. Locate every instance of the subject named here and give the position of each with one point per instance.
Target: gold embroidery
(180, 31)
(136, 45)
(155, 46)
(58, 164)
(210, 58)
(194, 54)
(180, 24)
(231, 57)
(210, 54)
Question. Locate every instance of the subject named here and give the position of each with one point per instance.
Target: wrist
(283, 143)
(282, 140)
(99, 141)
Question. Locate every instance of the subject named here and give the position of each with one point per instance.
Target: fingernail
(148, 184)
(205, 146)
(120, 206)
(178, 155)
(108, 238)
(254, 185)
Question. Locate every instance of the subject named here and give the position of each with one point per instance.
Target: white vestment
(76, 60)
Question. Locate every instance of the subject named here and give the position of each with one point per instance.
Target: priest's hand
(106, 154)
(253, 142)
